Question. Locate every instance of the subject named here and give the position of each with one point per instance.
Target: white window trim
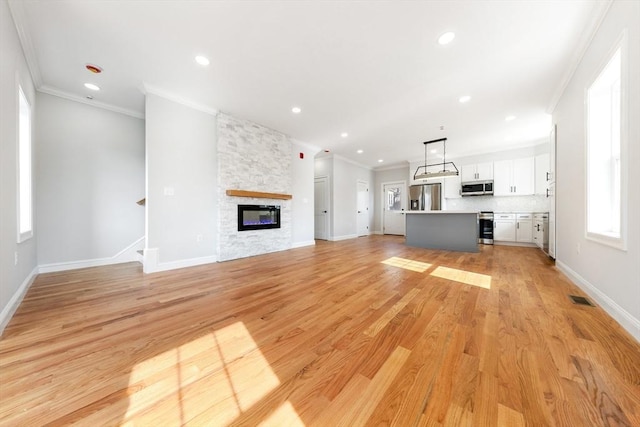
(602, 238)
(22, 237)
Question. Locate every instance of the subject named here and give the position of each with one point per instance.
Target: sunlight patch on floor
(285, 415)
(462, 276)
(407, 264)
(226, 365)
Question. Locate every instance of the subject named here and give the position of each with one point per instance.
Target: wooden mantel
(258, 194)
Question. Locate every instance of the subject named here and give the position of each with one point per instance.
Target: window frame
(604, 238)
(27, 234)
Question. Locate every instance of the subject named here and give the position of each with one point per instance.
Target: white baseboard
(303, 244)
(9, 310)
(128, 254)
(623, 317)
(345, 237)
(151, 264)
(521, 244)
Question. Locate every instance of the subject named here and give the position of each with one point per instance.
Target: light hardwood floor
(360, 332)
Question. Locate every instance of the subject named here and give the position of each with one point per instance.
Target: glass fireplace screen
(258, 217)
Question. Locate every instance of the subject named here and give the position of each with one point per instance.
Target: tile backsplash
(499, 203)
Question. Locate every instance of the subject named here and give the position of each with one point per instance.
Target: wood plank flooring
(319, 336)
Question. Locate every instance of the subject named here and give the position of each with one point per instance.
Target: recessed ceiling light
(509, 118)
(446, 38)
(296, 110)
(465, 98)
(360, 151)
(202, 60)
(433, 150)
(344, 134)
(91, 86)
(380, 160)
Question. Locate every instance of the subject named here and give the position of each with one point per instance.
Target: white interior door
(363, 208)
(321, 208)
(394, 204)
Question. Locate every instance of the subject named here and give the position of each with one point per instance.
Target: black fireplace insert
(258, 217)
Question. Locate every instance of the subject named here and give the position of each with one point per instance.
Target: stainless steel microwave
(477, 188)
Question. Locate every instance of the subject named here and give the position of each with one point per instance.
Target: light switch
(168, 191)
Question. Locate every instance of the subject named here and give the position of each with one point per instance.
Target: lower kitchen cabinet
(504, 227)
(512, 227)
(524, 228)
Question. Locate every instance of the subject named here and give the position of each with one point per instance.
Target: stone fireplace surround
(255, 163)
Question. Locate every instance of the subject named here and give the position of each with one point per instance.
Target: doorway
(363, 208)
(393, 207)
(321, 207)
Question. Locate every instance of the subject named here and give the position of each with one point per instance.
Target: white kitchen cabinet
(524, 227)
(540, 237)
(514, 177)
(504, 227)
(543, 173)
(452, 187)
(477, 172)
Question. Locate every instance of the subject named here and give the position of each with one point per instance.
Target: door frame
(327, 220)
(366, 183)
(403, 183)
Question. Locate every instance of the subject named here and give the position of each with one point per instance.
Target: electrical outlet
(15, 258)
(199, 238)
(578, 248)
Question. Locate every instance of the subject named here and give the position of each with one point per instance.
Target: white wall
(90, 173)
(400, 173)
(180, 157)
(302, 204)
(343, 182)
(609, 275)
(14, 279)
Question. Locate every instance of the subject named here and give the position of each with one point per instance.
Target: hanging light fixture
(444, 169)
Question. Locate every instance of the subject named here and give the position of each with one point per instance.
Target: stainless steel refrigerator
(425, 197)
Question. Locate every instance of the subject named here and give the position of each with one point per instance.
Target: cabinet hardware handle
(548, 175)
(547, 192)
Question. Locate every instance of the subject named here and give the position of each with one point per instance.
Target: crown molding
(20, 21)
(146, 88)
(588, 33)
(403, 165)
(353, 162)
(73, 97)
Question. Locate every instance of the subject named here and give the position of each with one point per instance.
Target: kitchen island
(447, 230)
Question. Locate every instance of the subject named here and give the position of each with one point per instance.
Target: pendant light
(444, 169)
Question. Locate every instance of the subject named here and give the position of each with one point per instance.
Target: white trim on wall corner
(9, 310)
(303, 244)
(128, 254)
(623, 317)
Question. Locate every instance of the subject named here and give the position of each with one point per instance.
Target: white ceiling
(373, 69)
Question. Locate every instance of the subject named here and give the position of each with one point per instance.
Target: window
(25, 206)
(605, 152)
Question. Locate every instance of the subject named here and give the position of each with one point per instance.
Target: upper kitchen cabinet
(477, 172)
(514, 177)
(543, 173)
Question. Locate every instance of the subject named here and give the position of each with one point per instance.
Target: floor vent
(581, 300)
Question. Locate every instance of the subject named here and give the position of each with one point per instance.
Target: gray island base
(446, 230)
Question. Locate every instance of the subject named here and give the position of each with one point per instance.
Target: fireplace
(258, 217)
